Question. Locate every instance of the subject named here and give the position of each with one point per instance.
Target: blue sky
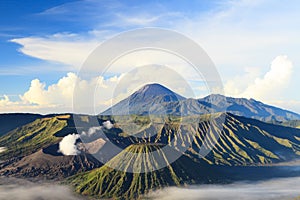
(254, 45)
(33, 18)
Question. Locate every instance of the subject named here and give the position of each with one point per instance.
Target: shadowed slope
(14, 120)
(31, 137)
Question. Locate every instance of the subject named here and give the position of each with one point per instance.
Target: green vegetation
(238, 141)
(106, 182)
(31, 137)
(242, 142)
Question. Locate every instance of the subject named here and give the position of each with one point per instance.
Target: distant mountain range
(158, 100)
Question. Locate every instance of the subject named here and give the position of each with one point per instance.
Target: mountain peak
(154, 89)
(154, 92)
(148, 98)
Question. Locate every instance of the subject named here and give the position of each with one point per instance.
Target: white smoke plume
(91, 131)
(67, 146)
(107, 124)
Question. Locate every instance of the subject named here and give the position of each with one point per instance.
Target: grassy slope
(106, 182)
(30, 138)
(246, 142)
(11, 121)
(242, 141)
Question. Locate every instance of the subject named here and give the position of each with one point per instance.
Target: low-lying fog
(276, 189)
(17, 189)
(284, 188)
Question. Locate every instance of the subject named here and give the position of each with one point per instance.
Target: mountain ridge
(167, 102)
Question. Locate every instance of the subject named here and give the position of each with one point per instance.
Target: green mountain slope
(31, 137)
(243, 144)
(106, 182)
(32, 149)
(14, 120)
(239, 140)
(246, 141)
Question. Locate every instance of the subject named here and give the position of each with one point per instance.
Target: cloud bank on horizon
(241, 37)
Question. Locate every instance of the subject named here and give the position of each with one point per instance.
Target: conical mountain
(159, 100)
(153, 90)
(144, 101)
(106, 182)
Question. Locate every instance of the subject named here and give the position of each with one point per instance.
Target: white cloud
(59, 97)
(68, 49)
(92, 95)
(269, 87)
(274, 81)
(108, 124)
(59, 93)
(235, 34)
(67, 146)
(4, 101)
(96, 94)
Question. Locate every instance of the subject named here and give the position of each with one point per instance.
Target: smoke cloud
(108, 124)
(68, 145)
(276, 189)
(91, 131)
